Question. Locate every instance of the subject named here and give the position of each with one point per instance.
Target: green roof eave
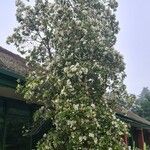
(11, 74)
(7, 83)
(9, 78)
(133, 122)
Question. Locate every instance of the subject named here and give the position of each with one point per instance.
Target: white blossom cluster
(77, 74)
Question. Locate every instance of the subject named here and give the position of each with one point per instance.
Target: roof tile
(12, 62)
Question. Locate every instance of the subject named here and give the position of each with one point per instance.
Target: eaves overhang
(133, 122)
(9, 78)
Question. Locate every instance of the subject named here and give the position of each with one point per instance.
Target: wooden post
(125, 139)
(140, 139)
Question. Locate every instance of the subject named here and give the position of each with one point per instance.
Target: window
(14, 115)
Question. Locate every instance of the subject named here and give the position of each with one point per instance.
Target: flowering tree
(76, 74)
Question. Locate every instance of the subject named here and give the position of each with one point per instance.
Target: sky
(133, 39)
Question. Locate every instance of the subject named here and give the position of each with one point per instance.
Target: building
(139, 130)
(16, 113)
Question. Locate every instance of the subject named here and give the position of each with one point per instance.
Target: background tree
(77, 75)
(142, 104)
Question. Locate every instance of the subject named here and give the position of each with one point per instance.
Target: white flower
(84, 137)
(108, 133)
(93, 105)
(99, 77)
(80, 138)
(93, 27)
(61, 33)
(72, 135)
(113, 116)
(90, 80)
(84, 42)
(97, 124)
(73, 68)
(71, 122)
(69, 83)
(69, 46)
(85, 70)
(85, 31)
(65, 69)
(63, 92)
(76, 107)
(91, 135)
(74, 128)
(84, 12)
(47, 147)
(120, 133)
(78, 22)
(95, 140)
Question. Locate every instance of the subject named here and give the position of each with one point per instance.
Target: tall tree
(76, 74)
(142, 104)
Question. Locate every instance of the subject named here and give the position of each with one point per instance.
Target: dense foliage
(142, 104)
(76, 74)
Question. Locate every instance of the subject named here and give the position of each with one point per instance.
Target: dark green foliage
(142, 104)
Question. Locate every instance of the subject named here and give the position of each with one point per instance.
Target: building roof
(12, 62)
(134, 116)
(134, 120)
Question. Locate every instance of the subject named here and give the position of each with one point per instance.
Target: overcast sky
(133, 39)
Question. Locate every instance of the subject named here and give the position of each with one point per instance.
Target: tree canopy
(76, 74)
(142, 104)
